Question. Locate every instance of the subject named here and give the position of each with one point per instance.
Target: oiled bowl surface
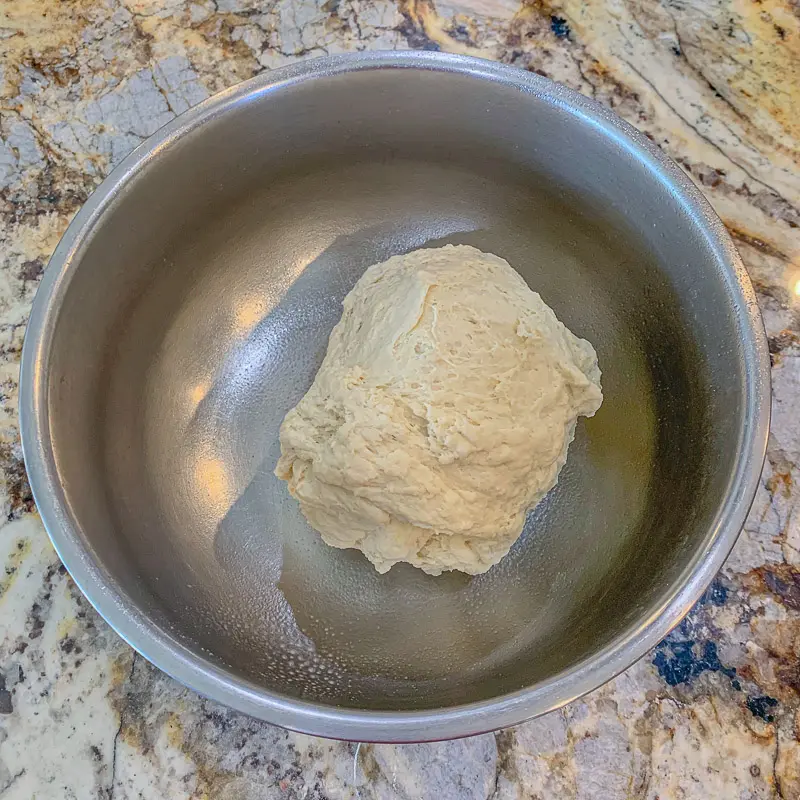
(193, 309)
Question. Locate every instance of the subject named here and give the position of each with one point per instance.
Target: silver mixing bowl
(189, 304)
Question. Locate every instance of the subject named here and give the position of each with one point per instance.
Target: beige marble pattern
(714, 711)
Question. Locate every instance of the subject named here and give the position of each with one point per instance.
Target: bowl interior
(200, 309)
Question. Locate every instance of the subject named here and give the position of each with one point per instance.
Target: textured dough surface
(441, 413)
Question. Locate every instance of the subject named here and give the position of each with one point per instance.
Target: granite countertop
(713, 711)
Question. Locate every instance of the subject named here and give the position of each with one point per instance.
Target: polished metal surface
(189, 304)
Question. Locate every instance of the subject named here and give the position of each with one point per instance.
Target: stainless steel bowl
(189, 304)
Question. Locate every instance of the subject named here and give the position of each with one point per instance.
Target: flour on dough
(442, 412)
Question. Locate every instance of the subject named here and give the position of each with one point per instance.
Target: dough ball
(441, 414)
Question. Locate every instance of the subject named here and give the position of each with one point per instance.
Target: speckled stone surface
(714, 711)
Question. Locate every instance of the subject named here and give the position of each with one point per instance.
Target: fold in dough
(442, 412)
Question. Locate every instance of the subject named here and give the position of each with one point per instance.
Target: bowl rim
(161, 648)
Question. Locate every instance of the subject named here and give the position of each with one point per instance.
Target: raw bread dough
(442, 412)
